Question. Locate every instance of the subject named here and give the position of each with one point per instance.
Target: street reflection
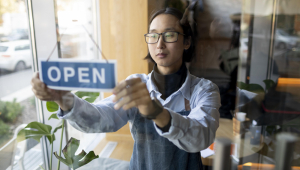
(268, 80)
(17, 104)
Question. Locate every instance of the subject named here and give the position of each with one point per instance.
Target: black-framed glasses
(168, 37)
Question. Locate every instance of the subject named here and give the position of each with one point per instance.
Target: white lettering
(81, 75)
(68, 72)
(96, 75)
(53, 68)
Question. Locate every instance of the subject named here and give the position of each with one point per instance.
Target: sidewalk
(19, 95)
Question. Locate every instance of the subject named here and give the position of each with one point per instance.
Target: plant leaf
(88, 96)
(61, 159)
(72, 160)
(36, 130)
(242, 85)
(53, 116)
(80, 155)
(255, 88)
(58, 126)
(269, 83)
(71, 147)
(88, 158)
(90, 99)
(52, 106)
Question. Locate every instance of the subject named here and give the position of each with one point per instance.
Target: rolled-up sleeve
(196, 131)
(97, 117)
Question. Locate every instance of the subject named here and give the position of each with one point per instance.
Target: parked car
(15, 55)
(283, 40)
(20, 34)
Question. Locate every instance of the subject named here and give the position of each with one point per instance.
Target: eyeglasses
(168, 37)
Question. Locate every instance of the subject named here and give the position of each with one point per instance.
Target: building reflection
(252, 52)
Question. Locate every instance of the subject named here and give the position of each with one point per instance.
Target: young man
(173, 114)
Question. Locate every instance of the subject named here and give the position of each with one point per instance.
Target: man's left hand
(133, 93)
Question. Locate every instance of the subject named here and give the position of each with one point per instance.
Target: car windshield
(3, 48)
(283, 33)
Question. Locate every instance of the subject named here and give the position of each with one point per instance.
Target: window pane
(71, 22)
(244, 75)
(17, 102)
(268, 79)
(73, 18)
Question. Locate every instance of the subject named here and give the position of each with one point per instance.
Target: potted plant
(37, 130)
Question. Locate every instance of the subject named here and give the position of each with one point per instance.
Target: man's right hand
(63, 98)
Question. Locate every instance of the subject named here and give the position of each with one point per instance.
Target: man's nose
(160, 43)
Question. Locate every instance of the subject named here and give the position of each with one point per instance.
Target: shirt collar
(184, 89)
(150, 83)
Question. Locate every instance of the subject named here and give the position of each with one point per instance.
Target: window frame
(44, 11)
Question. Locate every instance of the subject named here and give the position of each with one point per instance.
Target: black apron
(154, 152)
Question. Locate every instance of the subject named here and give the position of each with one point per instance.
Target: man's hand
(63, 98)
(134, 93)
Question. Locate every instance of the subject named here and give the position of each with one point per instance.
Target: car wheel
(20, 66)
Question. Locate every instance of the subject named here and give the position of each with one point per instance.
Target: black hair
(188, 54)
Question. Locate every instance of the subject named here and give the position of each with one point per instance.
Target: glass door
(268, 79)
(63, 29)
(17, 102)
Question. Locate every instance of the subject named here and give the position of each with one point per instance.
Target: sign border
(78, 61)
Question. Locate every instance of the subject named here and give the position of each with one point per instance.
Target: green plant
(14, 109)
(72, 160)
(256, 88)
(4, 132)
(88, 96)
(3, 109)
(10, 110)
(4, 128)
(36, 130)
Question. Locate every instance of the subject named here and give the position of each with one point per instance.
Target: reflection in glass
(269, 78)
(17, 104)
(71, 17)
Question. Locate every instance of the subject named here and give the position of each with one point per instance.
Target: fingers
(45, 94)
(123, 84)
(41, 90)
(136, 103)
(127, 99)
(137, 95)
(131, 89)
(125, 95)
(36, 82)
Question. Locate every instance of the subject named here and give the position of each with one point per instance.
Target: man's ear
(187, 42)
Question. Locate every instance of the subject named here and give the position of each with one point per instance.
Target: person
(173, 115)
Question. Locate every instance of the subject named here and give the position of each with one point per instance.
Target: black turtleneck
(168, 84)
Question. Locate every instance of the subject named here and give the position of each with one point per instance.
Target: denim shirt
(190, 132)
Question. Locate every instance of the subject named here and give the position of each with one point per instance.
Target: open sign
(68, 74)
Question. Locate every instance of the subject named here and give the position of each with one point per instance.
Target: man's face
(168, 56)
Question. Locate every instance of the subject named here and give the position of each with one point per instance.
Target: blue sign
(67, 74)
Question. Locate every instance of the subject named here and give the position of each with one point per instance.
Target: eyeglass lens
(167, 37)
